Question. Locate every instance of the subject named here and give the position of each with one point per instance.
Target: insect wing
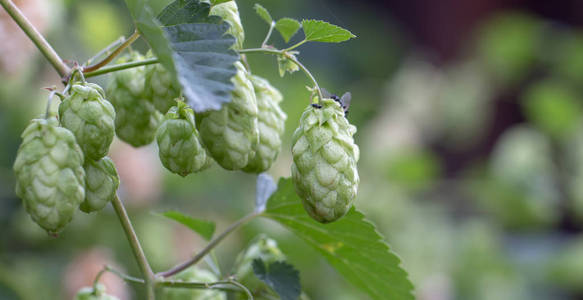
(345, 100)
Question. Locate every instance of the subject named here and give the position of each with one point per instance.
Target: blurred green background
(469, 118)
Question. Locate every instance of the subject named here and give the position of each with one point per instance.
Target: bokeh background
(469, 118)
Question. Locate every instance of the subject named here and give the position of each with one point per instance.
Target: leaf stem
(285, 54)
(218, 285)
(123, 66)
(106, 50)
(296, 45)
(39, 41)
(135, 245)
(113, 54)
(213, 243)
(268, 34)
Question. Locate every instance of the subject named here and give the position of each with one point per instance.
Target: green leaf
(320, 31)
(263, 13)
(215, 2)
(282, 277)
(287, 27)
(206, 229)
(193, 46)
(351, 245)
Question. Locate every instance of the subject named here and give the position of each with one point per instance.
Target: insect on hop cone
(193, 274)
(90, 117)
(101, 183)
(324, 161)
(230, 134)
(230, 13)
(180, 148)
(271, 123)
(50, 178)
(136, 118)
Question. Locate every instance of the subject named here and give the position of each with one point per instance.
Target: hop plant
(324, 161)
(180, 149)
(90, 117)
(271, 122)
(50, 178)
(161, 89)
(193, 274)
(89, 293)
(230, 134)
(230, 13)
(101, 183)
(136, 119)
(262, 248)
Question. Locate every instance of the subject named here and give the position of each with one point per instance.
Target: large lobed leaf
(193, 46)
(351, 245)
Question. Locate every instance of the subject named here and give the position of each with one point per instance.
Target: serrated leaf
(320, 31)
(206, 229)
(352, 245)
(287, 27)
(265, 188)
(263, 13)
(282, 277)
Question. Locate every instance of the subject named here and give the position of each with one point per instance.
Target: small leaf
(284, 65)
(206, 229)
(265, 187)
(351, 245)
(263, 13)
(282, 277)
(320, 31)
(287, 27)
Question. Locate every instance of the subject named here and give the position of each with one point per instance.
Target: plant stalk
(39, 41)
(123, 66)
(271, 26)
(136, 246)
(213, 243)
(113, 54)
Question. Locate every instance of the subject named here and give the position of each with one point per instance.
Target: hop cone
(90, 117)
(230, 13)
(50, 178)
(324, 162)
(101, 183)
(193, 274)
(270, 123)
(231, 132)
(179, 144)
(88, 293)
(262, 248)
(161, 89)
(136, 117)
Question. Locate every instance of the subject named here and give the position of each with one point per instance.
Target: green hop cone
(89, 293)
(161, 89)
(324, 161)
(262, 248)
(230, 13)
(179, 145)
(193, 274)
(101, 183)
(50, 178)
(136, 118)
(90, 117)
(270, 123)
(230, 134)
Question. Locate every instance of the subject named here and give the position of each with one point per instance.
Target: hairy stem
(285, 54)
(39, 41)
(123, 66)
(113, 54)
(296, 45)
(135, 245)
(180, 267)
(106, 50)
(271, 26)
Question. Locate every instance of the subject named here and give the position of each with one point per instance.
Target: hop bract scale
(89, 293)
(50, 178)
(324, 161)
(230, 134)
(101, 183)
(161, 89)
(90, 117)
(271, 125)
(193, 274)
(230, 13)
(179, 144)
(136, 118)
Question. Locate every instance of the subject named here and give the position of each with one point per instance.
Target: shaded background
(469, 119)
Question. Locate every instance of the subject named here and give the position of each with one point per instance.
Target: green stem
(296, 45)
(106, 50)
(180, 267)
(218, 285)
(285, 54)
(40, 42)
(268, 34)
(136, 246)
(113, 54)
(123, 66)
